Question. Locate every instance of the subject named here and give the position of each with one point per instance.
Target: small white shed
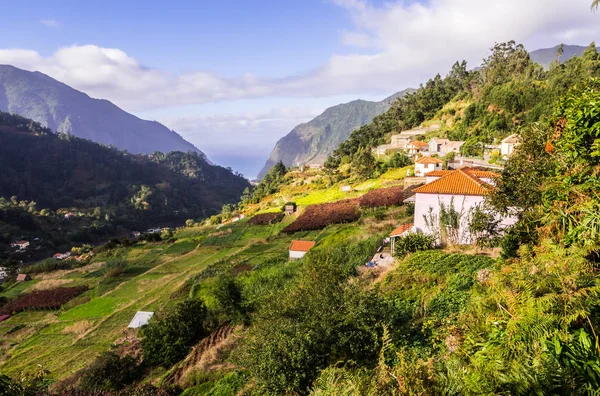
(300, 248)
(140, 319)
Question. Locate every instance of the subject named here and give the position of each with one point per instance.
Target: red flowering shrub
(43, 299)
(320, 216)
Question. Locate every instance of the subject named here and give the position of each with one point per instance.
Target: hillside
(104, 186)
(545, 56)
(515, 312)
(314, 141)
(63, 109)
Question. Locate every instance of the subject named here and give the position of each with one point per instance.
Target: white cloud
(52, 23)
(396, 45)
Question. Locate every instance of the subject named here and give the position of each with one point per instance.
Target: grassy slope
(64, 341)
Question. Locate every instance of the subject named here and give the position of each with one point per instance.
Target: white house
(417, 147)
(3, 273)
(508, 145)
(444, 146)
(140, 319)
(62, 256)
(425, 164)
(20, 245)
(463, 189)
(300, 248)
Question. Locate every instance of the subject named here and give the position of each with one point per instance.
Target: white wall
(462, 203)
(296, 255)
(423, 169)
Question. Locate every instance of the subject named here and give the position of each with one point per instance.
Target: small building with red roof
(298, 249)
(425, 165)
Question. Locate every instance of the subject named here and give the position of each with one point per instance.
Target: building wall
(423, 169)
(462, 203)
(507, 148)
(296, 255)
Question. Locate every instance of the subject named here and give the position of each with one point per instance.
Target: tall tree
(559, 52)
(595, 4)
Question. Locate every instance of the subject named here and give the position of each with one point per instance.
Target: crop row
(43, 299)
(266, 218)
(319, 216)
(383, 197)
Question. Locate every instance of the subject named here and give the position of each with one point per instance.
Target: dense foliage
(170, 334)
(103, 187)
(266, 218)
(384, 197)
(411, 243)
(109, 372)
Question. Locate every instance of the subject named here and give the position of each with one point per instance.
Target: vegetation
(43, 299)
(170, 335)
(109, 372)
(105, 189)
(316, 217)
(412, 243)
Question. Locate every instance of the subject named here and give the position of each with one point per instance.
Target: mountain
(46, 174)
(545, 56)
(63, 109)
(315, 140)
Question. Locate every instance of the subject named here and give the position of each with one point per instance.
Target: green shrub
(170, 334)
(47, 265)
(411, 243)
(115, 267)
(109, 372)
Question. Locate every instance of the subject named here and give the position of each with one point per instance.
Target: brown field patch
(78, 328)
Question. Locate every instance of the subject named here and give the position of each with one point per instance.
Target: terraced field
(157, 275)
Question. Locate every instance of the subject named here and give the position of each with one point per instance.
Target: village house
(444, 146)
(69, 216)
(400, 232)
(62, 256)
(508, 145)
(20, 245)
(425, 164)
(416, 147)
(23, 278)
(298, 249)
(290, 209)
(140, 319)
(464, 189)
(3, 273)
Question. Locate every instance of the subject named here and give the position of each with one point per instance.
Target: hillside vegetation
(47, 175)
(517, 314)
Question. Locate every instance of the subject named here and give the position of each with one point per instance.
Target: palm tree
(595, 4)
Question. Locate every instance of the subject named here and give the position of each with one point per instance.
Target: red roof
(438, 173)
(4, 317)
(428, 160)
(302, 246)
(22, 277)
(459, 182)
(417, 144)
(401, 230)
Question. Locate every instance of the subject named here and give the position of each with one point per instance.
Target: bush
(109, 372)
(47, 265)
(170, 334)
(412, 243)
(115, 267)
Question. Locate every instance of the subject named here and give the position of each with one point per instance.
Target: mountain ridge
(61, 108)
(314, 140)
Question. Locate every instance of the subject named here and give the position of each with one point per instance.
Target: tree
(170, 334)
(595, 4)
(559, 52)
(364, 163)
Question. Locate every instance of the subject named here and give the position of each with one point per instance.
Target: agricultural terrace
(309, 188)
(156, 275)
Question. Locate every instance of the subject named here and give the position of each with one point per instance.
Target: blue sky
(235, 76)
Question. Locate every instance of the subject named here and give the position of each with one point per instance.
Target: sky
(233, 77)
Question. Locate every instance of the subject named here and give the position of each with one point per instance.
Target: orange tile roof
(438, 173)
(401, 230)
(458, 182)
(302, 246)
(428, 160)
(483, 174)
(418, 144)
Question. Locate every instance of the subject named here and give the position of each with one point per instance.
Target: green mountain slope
(63, 109)
(315, 140)
(104, 186)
